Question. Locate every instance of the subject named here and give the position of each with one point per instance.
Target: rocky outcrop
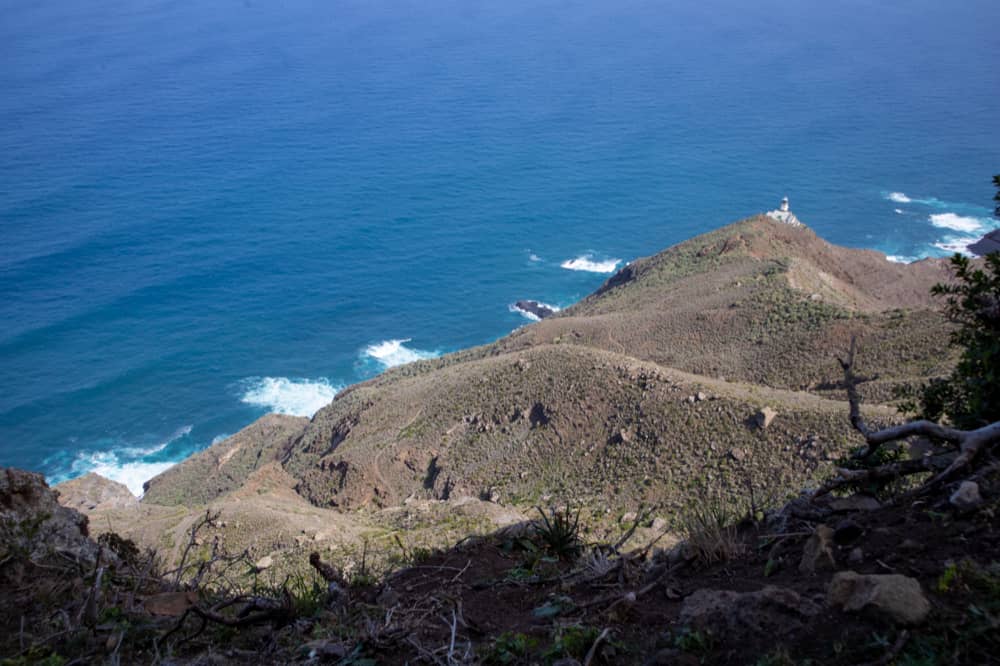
(225, 466)
(93, 492)
(770, 611)
(536, 309)
(33, 522)
(966, 497)
(895, 596)
(987, 244)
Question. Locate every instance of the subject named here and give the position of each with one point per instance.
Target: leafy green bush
(970, 397)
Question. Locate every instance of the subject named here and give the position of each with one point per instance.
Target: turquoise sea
(211, 210)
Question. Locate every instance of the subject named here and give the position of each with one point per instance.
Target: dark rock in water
(540, 310)
(622, 277)
(987, 244)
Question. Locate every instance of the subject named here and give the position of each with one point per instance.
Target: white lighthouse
(784, 214)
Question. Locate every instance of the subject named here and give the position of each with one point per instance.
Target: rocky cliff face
(92, 492)
(35, 523)
(227, 465)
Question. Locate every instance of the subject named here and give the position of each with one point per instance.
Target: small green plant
(693, 641)
(573, 641)
(559, 532)
(947, 578)
(881, 488)
(509, 648)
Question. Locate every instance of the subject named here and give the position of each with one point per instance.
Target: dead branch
(326, 571)
(592, 652)
(641, 517)
(208, 519)
(969, 442)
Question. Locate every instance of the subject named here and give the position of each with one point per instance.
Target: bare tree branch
(969, 442)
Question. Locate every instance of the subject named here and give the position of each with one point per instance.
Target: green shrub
(559, 532)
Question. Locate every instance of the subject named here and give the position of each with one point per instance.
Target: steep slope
(588, 406)
(764, 303)
(648, 391)
(225, 466)
(577, 424)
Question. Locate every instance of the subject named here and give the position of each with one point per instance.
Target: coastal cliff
(703, 378)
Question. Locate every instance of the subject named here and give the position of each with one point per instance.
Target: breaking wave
(296, 397)
(390, 353)
(957, 222)
(129, 465)
(898, 197)
(960, 244)
(587, 263)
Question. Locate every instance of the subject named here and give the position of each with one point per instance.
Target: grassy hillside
(646, 392)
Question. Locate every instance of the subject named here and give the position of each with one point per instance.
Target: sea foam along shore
(531, 315)
(390, 353)
(129, 465)
(587, 263)
(296, 397)
(969, 222)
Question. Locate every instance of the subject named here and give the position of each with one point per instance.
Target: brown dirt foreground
(925, 589)
(660, 611)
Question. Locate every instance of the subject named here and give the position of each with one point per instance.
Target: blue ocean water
(211, 210)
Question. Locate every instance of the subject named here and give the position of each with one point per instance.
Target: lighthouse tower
(784, 214)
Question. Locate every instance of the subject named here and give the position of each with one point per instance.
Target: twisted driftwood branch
(968, 442)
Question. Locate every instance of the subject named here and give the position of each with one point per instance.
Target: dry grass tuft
(710, 534)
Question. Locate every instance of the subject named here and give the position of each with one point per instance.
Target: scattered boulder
(772, 611)
(967, 497)
(893, 595)
(764, 417)
(264, 563)
(818, 551)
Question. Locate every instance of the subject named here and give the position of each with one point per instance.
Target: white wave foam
(140, 451)
(127, 464)
(900, 259)
(587, 263)
(898, 211)
(131, 473)
(220, 438)
(390, 353)
(898, 197)
(531, 315)
(957, 222)
(958, 244)
(534, 257)
(297, 397)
